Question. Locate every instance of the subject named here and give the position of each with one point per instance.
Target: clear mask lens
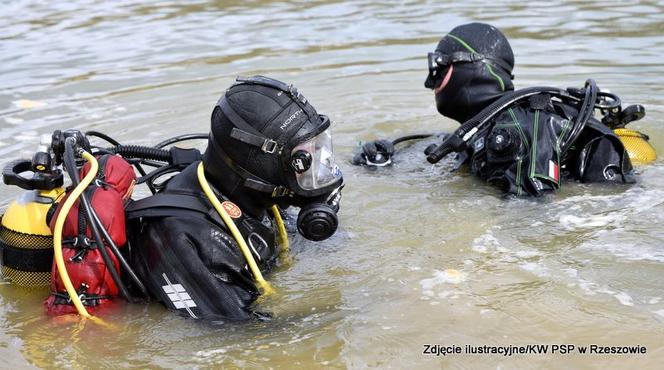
(323, 170)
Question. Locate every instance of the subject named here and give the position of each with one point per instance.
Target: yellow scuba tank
(636, 143)
(26, 240)
(26, 243)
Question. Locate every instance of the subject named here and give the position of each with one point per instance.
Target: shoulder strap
(172, 204)
(182, 201)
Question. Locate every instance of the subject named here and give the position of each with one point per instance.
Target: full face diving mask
(292, 160)
(315, 168)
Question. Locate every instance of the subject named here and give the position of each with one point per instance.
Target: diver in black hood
(476, 83)
(523, 141)
(201, 243)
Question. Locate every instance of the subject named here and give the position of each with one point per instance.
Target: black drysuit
(188, 259)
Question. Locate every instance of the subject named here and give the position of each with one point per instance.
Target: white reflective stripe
(253, 248)
(184, 304)
(178, 296)
(173, 288)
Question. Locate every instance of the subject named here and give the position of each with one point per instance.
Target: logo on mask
(298, 164)
(301, 161)
(290, 119)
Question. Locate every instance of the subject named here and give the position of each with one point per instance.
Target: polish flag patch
(554, 171)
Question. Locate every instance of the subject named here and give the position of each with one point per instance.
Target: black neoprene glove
(377, 153)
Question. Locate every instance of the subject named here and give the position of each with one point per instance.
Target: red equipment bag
(108, 195)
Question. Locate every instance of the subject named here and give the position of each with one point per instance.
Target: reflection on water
(424, 256)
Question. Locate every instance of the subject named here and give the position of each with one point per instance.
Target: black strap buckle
(462, 56)
(292, 90)
(438, 59)
(269, 146)
(280, 191)
(265, 187)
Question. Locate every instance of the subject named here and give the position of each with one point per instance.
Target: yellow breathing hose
(283, 235)
(89, 177)
(251, 262)
(57, 233)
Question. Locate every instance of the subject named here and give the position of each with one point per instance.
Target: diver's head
(470, 68)
(267, 146)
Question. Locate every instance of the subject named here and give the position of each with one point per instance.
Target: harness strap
(171, 200)
(172, 204)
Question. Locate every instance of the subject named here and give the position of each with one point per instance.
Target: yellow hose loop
(57, 234)
(283, 235)
(251, 262)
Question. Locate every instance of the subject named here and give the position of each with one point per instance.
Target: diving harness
(588, 99)
(639, 150)
(30, 257)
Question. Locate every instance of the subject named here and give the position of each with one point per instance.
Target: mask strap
(500, 64)
(289, 89)
(244, 132)
(439, 59)
(251, 181)
(268, 146)
(275, 84)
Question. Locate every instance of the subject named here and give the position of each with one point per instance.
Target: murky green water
(583, 266)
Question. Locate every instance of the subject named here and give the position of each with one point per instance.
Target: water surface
(423, 256)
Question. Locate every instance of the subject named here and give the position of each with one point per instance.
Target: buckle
(280, 191)
(100, 183)
(474, 57)
(461, 56)
(292, 90)
(269, 146)
(441, 60)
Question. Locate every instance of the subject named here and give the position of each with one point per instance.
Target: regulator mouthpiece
(317, 221)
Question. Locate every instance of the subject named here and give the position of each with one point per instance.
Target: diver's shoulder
(186, 180)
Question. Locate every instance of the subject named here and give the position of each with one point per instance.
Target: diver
(267, 149)
(526, 141)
